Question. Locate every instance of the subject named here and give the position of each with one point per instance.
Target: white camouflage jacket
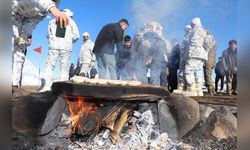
(196, 44)
(86, 53)
(71, 35)
(185, 47)
(32, 8)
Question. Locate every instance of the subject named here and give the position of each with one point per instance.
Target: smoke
(174, 15)
(162, 11)
(147, 51)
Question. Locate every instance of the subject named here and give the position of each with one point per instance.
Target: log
(217, 100)
(123, 118)
(90, 123)
(110, 92)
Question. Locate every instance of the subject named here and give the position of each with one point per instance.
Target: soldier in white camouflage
(26, 14)
(197, 55)
(183, 58)
(148, 54)
(87, 58)
(60, 48)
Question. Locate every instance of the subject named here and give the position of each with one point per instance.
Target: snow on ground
(30, 75)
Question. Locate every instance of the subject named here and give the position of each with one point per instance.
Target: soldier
(87, 58)
(60, 48)
(26, 14)
(197, 55)
(210, 63)
(183, 58)
(148, 55)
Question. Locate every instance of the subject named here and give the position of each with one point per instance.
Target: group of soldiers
(197, 53)
(147, 57)
(197, 58)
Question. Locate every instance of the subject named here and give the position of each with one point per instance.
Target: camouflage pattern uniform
(210, 63)
(26, 14)
(183, 58)
(87, 58)
(149, 43)
(60, 48)
(197, 56)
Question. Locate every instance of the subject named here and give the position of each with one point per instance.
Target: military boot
(179, 89)
(191, 91)
(211, 92)
(229, 92)
(199, 89)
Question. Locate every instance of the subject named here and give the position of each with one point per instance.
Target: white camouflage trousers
(86, 67)
(52, 57)
(194, 71)
(18, 58)
(22, 27)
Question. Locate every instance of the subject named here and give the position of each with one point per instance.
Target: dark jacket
(174, 61)
(71, 71)
(219, 69)
(109, 35)
(123, 56)
(229, 58)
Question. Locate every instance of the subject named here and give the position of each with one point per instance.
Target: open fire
(79, 111)
(97, 119)
(88, 116)
(92, 108)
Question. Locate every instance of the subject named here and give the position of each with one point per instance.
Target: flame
(79, 110)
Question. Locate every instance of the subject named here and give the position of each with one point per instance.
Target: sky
(218, 16)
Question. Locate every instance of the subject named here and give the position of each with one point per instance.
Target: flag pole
(39, 51)
(40, 59)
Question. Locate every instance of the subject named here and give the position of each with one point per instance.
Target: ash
(140, 132)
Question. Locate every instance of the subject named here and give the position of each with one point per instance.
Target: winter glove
(20, 41)
(190, 55)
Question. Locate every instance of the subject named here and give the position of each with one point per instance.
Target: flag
(38, 49)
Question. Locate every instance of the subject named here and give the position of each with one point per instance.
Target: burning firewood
(88, 116)
(111, 122)
(119, 125)
(96, 107)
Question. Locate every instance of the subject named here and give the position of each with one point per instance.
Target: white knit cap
(197, 21)
(188, 27)
(85, 34)
(68, 12)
